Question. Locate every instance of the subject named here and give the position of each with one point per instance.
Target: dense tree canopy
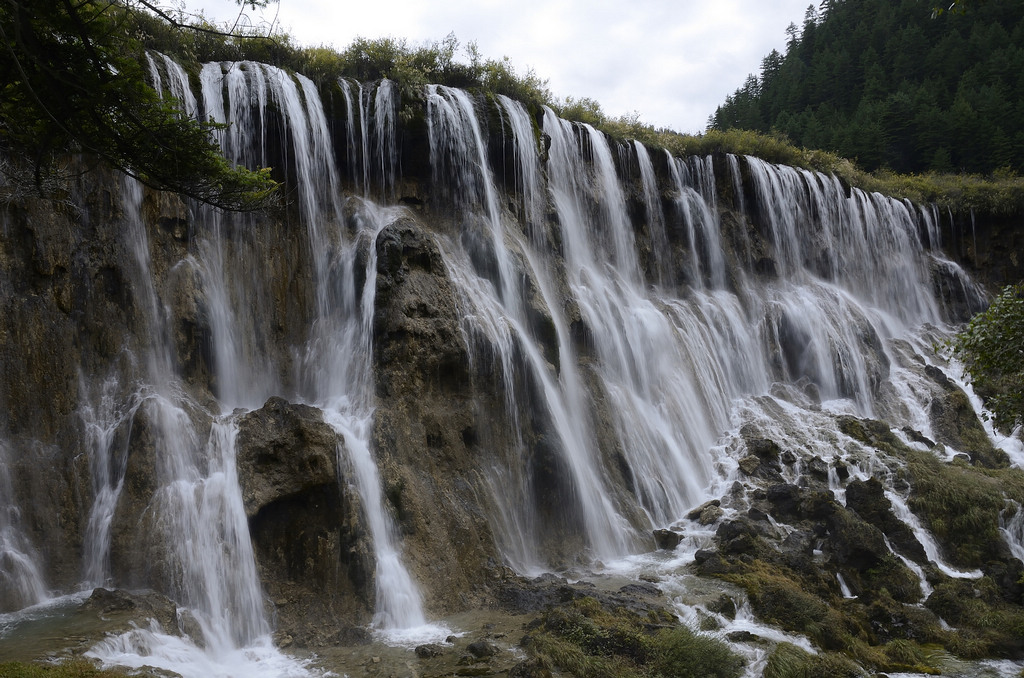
(891, 85)
(71, 77)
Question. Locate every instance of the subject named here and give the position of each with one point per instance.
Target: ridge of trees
(894, 85)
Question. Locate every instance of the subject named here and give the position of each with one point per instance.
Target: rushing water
(631, 332)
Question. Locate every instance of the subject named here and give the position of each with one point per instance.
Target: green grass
(589, 640)
(75, 668)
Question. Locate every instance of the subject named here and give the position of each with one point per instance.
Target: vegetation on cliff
(75, 668)
(991, 350)
(71, 78)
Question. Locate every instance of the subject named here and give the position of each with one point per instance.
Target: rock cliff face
(539, 347)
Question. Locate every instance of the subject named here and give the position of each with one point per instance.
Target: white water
(686, 344)
(198, 520)
(21, 581)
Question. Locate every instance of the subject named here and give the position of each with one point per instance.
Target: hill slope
(886, 83)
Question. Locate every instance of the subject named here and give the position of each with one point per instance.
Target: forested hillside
(888, 84)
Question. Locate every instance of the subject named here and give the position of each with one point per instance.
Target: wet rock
(918, 437)
(724, 605)
(867, 498)
(784, 499)
(743, 637)
(284, 449)
(429, 650)
(955, 423)
(855, 543)
(817, 468)
(696, 513)
(123, 609)
(312, 547)
(482, 649)
(648, 590)
(190, 626)
(764, 448)
(667, 539)
(750, 464)
(710, 515)
(531, 668)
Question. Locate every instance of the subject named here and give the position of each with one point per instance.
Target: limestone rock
(284, 449)
(868, 499)
(955, 423)
(667, 539)
(696, 513)
(482, 649)
(429, 650)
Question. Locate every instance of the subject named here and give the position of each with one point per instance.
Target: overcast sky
(672, 61)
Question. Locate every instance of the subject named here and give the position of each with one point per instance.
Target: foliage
(889, 85)
(589, 640)
(789, 661)
(991, 348)
(72, 79)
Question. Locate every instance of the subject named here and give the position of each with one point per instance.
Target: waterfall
(496, 311)
(624, 325)
(21, 582)
(707, 262)
(336, 359)
(655, 215)
(651, 370)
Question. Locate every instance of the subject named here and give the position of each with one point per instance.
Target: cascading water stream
(665, 420)
(335, 367)
(459, 158)
(21, 582)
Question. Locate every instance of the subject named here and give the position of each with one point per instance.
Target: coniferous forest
(894, 85)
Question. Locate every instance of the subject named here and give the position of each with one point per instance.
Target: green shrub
(789, 661)
(680, 653)
(990, 349)
(589, 640)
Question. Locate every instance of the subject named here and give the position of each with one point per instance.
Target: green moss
(588, 640)
(781, 597)
(986, 623)
(680, 653)
(961, 504)
(789, 661)
(76, 668)
(874, 434)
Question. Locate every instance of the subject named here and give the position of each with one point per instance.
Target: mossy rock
(75, 668)
(789, 661)
(961, 506)
(591, 640)
(986, 624)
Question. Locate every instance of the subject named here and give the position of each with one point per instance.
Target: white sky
(672, 61)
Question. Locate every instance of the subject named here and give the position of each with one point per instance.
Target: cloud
(673, 62)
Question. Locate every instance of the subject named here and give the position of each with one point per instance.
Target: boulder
(867, 498)
(284, 449)
(955, 423)
(667, 539)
